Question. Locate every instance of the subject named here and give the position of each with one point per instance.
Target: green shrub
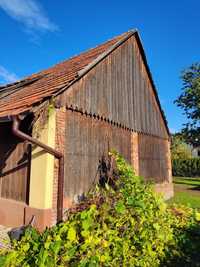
(186, 167)
(125, 224)
(179, 149)
(184, 249)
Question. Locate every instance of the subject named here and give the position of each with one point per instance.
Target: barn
(57, 125)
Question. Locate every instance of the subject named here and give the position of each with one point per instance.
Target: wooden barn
(57, 125)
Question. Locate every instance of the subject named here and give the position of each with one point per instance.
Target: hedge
(186, 167)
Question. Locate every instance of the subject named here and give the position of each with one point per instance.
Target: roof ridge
(91, 48)
(55, 78)
(37, 73)
(101, 56)
(22, 95)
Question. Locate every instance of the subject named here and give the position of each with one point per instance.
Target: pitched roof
(22, 95)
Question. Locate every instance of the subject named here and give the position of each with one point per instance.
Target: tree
(189, 101)
(179, 149)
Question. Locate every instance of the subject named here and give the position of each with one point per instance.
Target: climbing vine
(41, 117)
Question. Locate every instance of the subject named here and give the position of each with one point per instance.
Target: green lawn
(186, 191)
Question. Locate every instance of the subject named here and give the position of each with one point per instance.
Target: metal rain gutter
(15, 129)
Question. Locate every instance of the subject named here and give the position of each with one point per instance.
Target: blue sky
(37, 34)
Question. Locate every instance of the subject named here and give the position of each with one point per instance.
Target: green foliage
(189, 101)
(179, 149)
(186, 167)
(125, 224)
(184, 250)
(191, 135)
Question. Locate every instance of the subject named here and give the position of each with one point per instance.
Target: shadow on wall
(8, 145)
(14, 164)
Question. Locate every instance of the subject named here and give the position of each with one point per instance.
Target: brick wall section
(169, 162)
(60, 146)
(134, 152)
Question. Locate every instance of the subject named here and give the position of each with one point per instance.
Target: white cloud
(30, 13)
(6, 76)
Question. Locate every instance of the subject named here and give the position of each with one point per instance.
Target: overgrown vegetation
(120, 223)
(186, 167)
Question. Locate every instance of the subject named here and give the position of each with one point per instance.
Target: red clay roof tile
(21, 96)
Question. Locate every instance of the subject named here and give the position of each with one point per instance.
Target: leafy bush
(186, 167)
(179, 148)
(122, 223)
(184, 249)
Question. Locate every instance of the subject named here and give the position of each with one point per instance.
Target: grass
(186, 191)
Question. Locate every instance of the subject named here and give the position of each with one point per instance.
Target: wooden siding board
(87, 140)
(137, 89)
(131, 97)
(134, 88)
(116, 89)
(106, 98)
(152, 158)
(14, 166)
(146, 103)
(149, 124)
(110, 92)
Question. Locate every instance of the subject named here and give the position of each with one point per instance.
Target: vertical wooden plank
(14, 165)
(89, 140)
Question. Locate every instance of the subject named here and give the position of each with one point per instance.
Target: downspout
(55, 153)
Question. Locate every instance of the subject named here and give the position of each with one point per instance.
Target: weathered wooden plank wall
(152, 156)
(14, 166)
(87, 140)
(119, 89)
